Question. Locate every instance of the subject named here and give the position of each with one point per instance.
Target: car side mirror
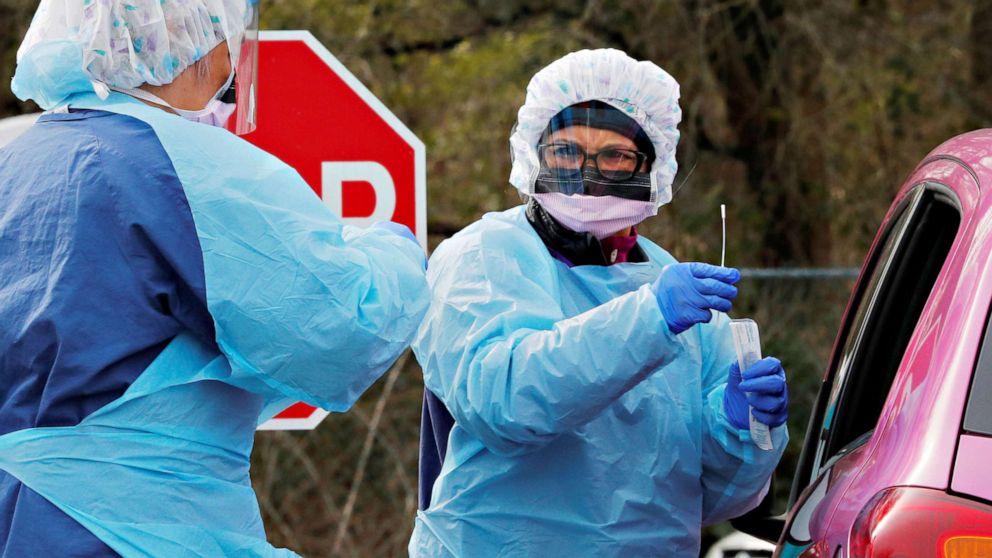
(761, 522)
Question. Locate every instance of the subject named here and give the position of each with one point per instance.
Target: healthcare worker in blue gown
(166, 286)
(583, 397)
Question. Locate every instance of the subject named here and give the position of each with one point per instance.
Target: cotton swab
(723, 249)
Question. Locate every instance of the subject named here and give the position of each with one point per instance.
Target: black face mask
(590, 182)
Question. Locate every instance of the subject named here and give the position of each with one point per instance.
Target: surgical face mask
(601, 216)
(215, 113)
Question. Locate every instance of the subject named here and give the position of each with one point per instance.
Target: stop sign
(358, 157)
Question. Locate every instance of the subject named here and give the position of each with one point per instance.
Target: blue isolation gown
(165, 286)
(583, 427)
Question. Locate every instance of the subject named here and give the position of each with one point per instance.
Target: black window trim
(976, 417)
(909, 208)
(812, 466)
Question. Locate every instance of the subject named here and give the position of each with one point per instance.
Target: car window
(897, 282)
(978, 415)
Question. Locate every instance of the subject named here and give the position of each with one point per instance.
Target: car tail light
(911, 522)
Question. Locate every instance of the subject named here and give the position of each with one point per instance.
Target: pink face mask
(215, 113)
(601, 216)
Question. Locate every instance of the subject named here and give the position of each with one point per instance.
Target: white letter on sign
(335, 174)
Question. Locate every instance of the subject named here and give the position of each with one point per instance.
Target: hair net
(642, 90)
(74, 46)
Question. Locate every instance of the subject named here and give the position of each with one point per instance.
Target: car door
(895, 285)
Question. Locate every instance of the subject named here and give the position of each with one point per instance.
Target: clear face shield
(244, 60)
(593, 149)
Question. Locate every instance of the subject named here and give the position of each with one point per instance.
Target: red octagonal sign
(361, 160)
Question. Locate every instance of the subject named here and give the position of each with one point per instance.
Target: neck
(190, 90)
(625, 232)
(180, 94)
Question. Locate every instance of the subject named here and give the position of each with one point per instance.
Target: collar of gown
(579, 248)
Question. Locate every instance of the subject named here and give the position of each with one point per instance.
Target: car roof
(974, 150)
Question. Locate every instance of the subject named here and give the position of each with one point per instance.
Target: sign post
(357, 156)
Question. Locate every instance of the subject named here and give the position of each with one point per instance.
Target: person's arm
(513, 371)
(304, 306)
(736, 472)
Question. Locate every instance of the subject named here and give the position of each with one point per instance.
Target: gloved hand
(396, 228)
(687, 291)
(762, 387)
(400, 230)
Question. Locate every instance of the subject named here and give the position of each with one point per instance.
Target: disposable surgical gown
(164, 287)
(583, 427)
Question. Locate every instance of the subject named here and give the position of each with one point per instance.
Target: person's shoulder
(52, 132)
(497, 256)
(496, 232)
(656, 253)
(123, 137)
(188, 141)
(224, 146)
(499, 246)
(123, 148)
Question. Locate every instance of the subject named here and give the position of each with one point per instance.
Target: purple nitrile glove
(397, 228)
(763, 387)
(686, 292)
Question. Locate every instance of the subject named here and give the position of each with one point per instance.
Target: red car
(897, 460)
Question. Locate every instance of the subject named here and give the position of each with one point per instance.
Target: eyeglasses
(615, 165)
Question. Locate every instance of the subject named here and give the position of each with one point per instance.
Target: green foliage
(15, 15)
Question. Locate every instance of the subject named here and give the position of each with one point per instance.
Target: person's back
(166, 286)
(101, 268)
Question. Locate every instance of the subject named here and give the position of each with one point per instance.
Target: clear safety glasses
(614, 164)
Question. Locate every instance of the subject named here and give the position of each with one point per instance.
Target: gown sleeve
(736, 472)
(511, 368)
(305, 307)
